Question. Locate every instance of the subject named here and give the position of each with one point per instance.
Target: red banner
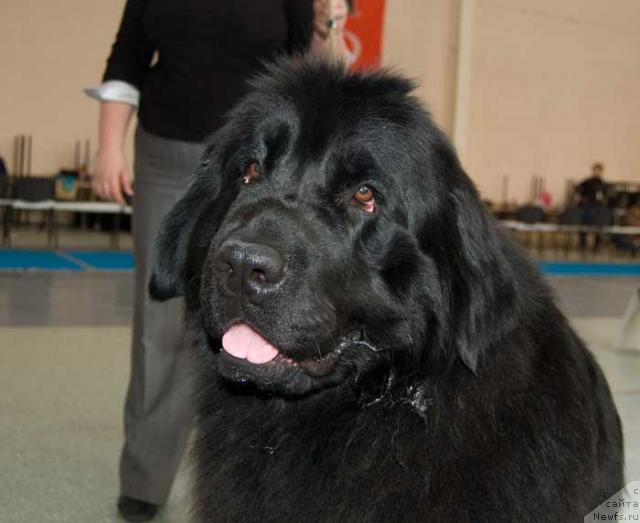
(364, 33)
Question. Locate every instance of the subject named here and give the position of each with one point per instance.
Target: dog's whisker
(317, 348)
(368, 345)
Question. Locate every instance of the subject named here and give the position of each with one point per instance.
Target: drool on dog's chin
(249, 363)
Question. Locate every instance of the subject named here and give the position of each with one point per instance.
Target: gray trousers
(157, 416)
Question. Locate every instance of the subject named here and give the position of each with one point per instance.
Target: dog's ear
(483, 293)
(474, 264)
(171, 245)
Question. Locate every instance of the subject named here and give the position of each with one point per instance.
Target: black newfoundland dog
(370, 345)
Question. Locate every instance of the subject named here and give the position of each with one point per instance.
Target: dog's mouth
(249, 363)
(242, 342)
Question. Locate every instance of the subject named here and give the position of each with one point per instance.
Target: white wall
(554, 86)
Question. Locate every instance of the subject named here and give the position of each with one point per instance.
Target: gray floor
(593, 297)
(65, 298)
(33, 237)
(64, 356)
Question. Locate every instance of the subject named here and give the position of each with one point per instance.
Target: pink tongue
(243, 342)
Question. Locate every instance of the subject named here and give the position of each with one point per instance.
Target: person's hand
(111, 175)
(323, 23)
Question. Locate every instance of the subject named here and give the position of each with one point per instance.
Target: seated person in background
(630, 242)
(544, 200)
(3, 166)
(591, 195)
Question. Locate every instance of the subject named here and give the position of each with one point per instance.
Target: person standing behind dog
(206, 50)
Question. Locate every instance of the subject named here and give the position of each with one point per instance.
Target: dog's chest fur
(329, 457)
(319, 459)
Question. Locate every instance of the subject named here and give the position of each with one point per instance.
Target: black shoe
(135, 509)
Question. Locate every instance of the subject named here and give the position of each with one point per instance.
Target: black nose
(248, 267)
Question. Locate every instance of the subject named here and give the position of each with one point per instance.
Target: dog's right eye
(251, 173)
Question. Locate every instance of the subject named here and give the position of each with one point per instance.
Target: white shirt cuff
(115, 91)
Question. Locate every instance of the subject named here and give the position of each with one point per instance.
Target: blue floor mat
(589, 269)
(13, 259)
(104, 260)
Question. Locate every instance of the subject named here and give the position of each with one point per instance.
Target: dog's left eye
(251, 173)
(365, 198)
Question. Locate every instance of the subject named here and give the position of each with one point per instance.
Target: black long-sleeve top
(206, 51)
(592, 191)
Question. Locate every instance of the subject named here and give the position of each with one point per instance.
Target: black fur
(456, 391)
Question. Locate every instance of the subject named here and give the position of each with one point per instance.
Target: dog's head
(329, 235)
